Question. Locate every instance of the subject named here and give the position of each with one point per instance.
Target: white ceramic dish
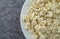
(23, 13)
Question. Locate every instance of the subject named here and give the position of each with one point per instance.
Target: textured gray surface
(9, 19)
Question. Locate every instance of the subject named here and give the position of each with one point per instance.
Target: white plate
(23, 13)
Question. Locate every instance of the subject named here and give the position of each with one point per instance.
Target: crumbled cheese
(33, 23)
(50, 14)
(43, 19)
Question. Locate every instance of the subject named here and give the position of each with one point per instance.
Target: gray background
(9, 19)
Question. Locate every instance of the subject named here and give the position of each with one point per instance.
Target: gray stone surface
(9, 19)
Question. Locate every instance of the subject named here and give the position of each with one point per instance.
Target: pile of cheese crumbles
(43, 19)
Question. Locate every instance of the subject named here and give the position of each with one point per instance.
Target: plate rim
(27, 37)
